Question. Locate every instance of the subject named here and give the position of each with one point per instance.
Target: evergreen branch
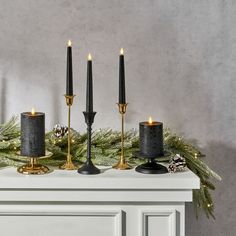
(106, 148)
(10, 129)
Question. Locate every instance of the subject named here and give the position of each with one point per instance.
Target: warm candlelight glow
(33, 111)
(89, 57)
(121, 51)
(150, 120)
(69, 43)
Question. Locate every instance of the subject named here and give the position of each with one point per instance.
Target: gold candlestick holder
(68, 165)
(122, 163)
(32, 167)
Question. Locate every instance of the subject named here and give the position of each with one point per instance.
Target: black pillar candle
(122, 98)
(69, 71)
(151, 139)
(89, 93)
(33, 134)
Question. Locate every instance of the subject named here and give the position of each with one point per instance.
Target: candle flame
(33, 111)
(150, 120)
(121, 51)
(89, 57)
(69, 43)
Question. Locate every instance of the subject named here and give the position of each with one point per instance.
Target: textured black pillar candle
(122, 98)
(151, 139)
(33, 134)
(89, 93)
(69, 71)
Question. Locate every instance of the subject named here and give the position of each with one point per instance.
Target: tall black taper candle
(122, 98)
(33, 134)
(89, 93)
(69, 96)
(89, 168)
(69, 72)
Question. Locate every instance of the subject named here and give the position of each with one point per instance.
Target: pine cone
(172, 168)
(177, 163)
(60, 131)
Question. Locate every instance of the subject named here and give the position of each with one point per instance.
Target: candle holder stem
(122, 135)
(68, 165)
(89, 168)
(122, 163)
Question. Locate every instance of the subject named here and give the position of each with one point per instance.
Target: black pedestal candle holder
(151, 147)
(151, 167)
(89, 168)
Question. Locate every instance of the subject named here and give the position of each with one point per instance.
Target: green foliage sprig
(106, 148)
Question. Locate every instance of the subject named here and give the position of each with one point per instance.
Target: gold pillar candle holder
(122, 163)
(68, 165)
(32, 167)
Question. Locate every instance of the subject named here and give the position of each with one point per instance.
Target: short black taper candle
(33, 134)
(122, 98)
(69, 71)
(151, 139)
(89, 93)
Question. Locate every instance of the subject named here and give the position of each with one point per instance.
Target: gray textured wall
(180, 63)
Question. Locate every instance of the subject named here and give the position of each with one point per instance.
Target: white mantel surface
(108, 179)
(114, 203)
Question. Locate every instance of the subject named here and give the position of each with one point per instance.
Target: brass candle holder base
(33, 168)
(68, 165)
(122, 164)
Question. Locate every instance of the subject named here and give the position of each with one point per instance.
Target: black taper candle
(122, 98)
(89, 93)
(33, 134)
(69, 71)
(151, 139)
(88, 168)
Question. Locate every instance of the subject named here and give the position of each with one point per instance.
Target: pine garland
(106, 148)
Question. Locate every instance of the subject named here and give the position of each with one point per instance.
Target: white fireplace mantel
(114, 203)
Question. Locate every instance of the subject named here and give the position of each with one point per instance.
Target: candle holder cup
(68, 165)
(33, 168)
(89, 168)
(122, 163)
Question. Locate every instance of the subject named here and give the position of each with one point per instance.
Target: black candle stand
(151, 166)
(89, 168)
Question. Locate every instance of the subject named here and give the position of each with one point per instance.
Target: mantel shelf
(119, 200)
(109, 179)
